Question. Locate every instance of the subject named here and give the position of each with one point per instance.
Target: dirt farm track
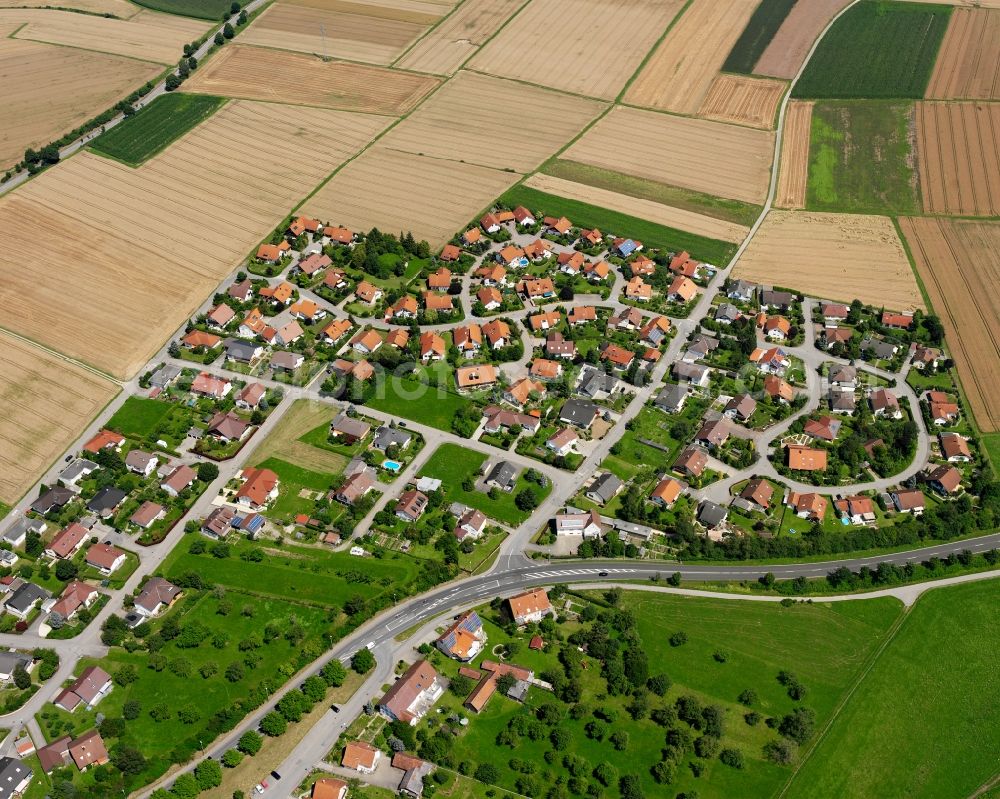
(959, 263)
(47, 402)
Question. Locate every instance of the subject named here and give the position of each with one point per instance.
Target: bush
(232, 758)
(488, 773)
(131, 710)
(273, 724)
(208, 773)
(678, 639)
(363, 661)
(732, 758)
(780, 751)
(798, 725)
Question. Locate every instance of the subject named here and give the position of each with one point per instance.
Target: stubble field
(46, 402)
(743, 100)
(568, 45)
(785, 52)
(147, 36)
(376, 38)
(793, 171)
(643, 209)
(959, 263)
(459, 123)
(120, 8)
(457, 38)
(393, 190)
(283, 440)
(679, 74)
(138, 249)
(958, 147)
(968, 64)
(711, 157)
(47, 90)
(836, 256)
(257, 73)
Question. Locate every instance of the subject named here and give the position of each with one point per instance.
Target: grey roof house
(604, 488)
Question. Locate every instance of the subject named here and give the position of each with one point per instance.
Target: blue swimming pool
(392, 466)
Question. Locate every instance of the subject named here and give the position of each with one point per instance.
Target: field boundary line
(493, 35)
(652, 50)
(869, 664)
(426, 33)
(55, 353)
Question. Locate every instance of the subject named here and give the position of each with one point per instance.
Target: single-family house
(107, 559)
(411, 505)
(156, 596)
(413, 694)
(531, 606)
(260, 487)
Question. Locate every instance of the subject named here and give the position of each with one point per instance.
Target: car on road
(335, 708)
(602, 574)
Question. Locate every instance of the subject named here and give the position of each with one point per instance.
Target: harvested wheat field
(679, 74)
(968, 64)
(353, 35)
(422, 12)
(256, 73)
(743, 100)
(793, 171)
(677, 218)
(958, 151)
(457, 123)
(431, 197)
(457, 38)
(119, 8)
(959, 263)
(589, 47)
(712, 157)
(47, 91)
(838, 256)
(146, 36)
(138, 249)
(47, 403)
(787, 51)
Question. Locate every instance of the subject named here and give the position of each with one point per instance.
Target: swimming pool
(392, 466)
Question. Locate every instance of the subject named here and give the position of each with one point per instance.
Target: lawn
(139, 417)
(202, 696)
(645, 189)
(202, 9)
(294, 480)
(921, 723)
(409, 398)
(651, 234)
(158, 124)
(876, 49)
(991, 443)
(862, 158)
(757, 35)
(305, 574)
(825, 646)
(453, 464)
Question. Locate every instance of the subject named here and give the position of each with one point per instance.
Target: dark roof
(240, 350)
(12, 774)
(593, 381)
(605, 486)
(672, 396)
(107, 499)
(578, 412)
(710, 514)
(385, 437)
(25, 596)
(55, 497)
(504, 474)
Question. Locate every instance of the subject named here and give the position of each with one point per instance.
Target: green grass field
(161, 122)
(293, 480)
(651, 234)
(202, 9)
(923, 722)
(452, 464)
(876, 50)
(991, 443)
(757, 35)
(139, 417)
(156, 739)
(645, 189)
(407, 397)
(862, 158)
(823, 645)
(305, 574)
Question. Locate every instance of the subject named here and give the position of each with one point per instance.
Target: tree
(66, 570)
(232, 758)
(798, 725)
(131, 710)
(526, 499)
(460, 685)
(273, 724)
(664, 772)
(606, 774)
(250, 742)
(488, 773)
(219, 39)
(630, 787)
(234, 7)
(674, 579)
(172, 82)
(50, 154)
(619, 739)
(228, 31)
(334, 673)
(207, 472)
(748, 697)
(21, 677)
(732, 758)
(112, 727)
(363, 661)
(504, 683)
(678, 639)
(659, 684)
(780, 751)
(128, 760)
(208, 773)
(234, 671)
(185, 787)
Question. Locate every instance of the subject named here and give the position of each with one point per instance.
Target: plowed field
(743, 100)
(457, 38)
(356, 36)
(256, 73)
(959, 262)
(679, 74)
(958, 146)
(589, 47)
(47, 402)
(124, 254)
(968, 64)
(723, 160)
(788, 49)
(393, 190)
(793, 171)
(46, 91)
(837, 256)
(458, 123)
